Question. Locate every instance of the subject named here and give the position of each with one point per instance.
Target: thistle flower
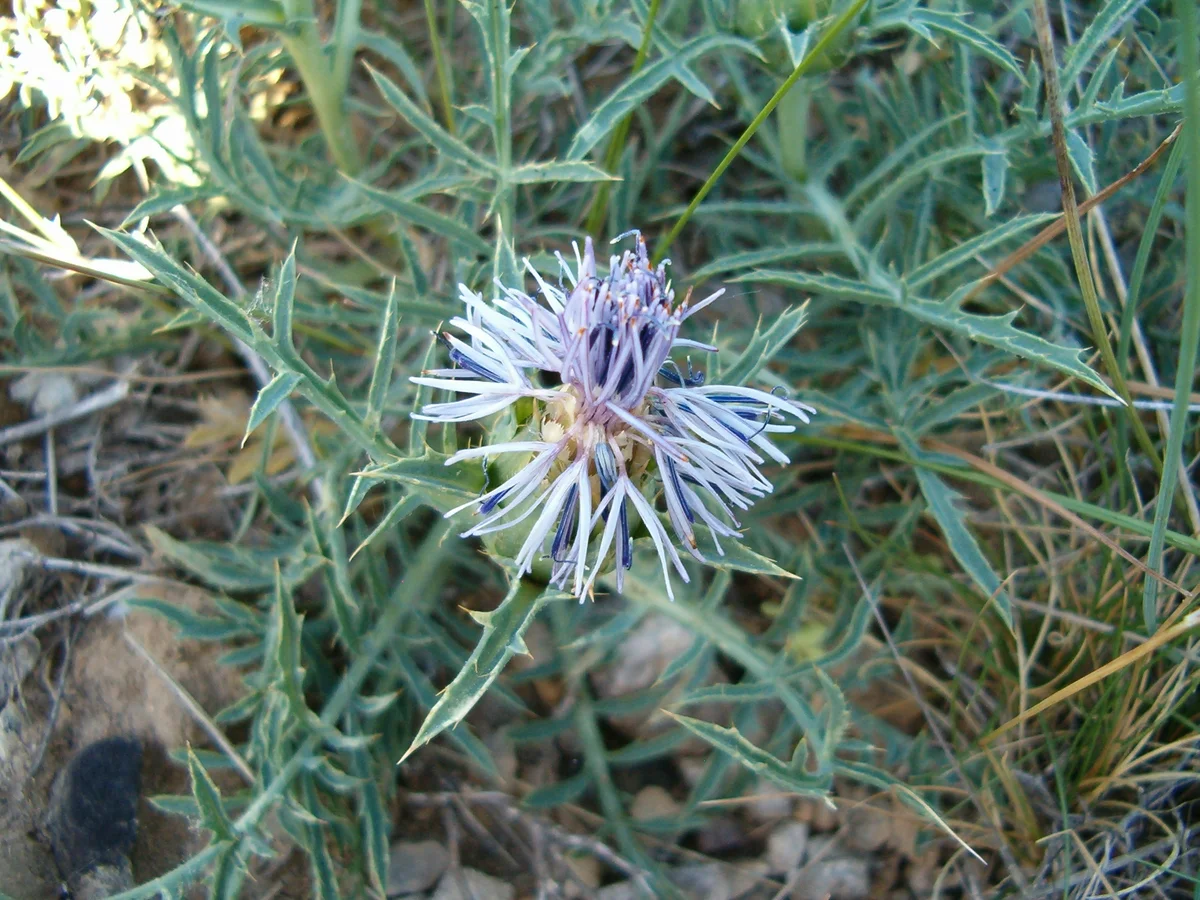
(612, 412)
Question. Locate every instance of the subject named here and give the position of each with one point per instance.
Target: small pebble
(587, 872)
(835, 878)
(722, 835)
(478, 886)
(786, 846)
(770, 804)
(653, 802)
(415, 866)
(621, 890)
(867, 828)
(703, 881)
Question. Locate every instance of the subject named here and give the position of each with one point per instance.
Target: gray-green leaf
(942, 504)
(503, 631)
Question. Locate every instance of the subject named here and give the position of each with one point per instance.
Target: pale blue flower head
(616, 419)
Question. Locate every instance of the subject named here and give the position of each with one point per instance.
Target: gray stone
(786, 847)
(770, 803)
(834, 878)
(867, 828)
(703, 881)
(471, 884)
(415, 866)
(622, 890)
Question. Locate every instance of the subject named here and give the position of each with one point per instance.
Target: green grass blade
(1185, 371)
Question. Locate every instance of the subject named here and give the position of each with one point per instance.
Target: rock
(769, 803)
(92, 821)
(586, 871)
(44, 392)
(817, 813)
(745, 877)
(836, 878)
(415, 866)
(643, 656)
(653, 802)
(786, 847)
(471, 884)
(923, 871)
(867, 828)
(692, 768)
(722, 836)
(831, 875)
(638, 663)
(703, 881)
(621, 890)
(15, 557)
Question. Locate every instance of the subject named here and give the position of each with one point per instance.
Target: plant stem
(1083, 270)
(816, 52)
(439, 64)
(793, 130)
(616, 144)
(303, 44)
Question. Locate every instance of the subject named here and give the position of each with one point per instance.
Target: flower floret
(619, 419)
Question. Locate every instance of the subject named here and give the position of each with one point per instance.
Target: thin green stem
(439, 64)
(1083, 269)
(1185, 370)
(616, 144)
(810, 59)
(345, 42)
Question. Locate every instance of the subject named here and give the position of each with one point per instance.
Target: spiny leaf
(385, 359)
(995, 174)
(235, 568)
(285, 303)
(275, 392)
(208, 802)
(996, 331)
(954, 258)
(943, 505)
(264, 13)
(762, 347)
(558, 171)
(419, 214)
(166, 199)
(1083, 161)
(503, 631)
(956, 27)
(642, 85)
(443, 487)
(731, 742)
(191, 288)
(1101, 25)
(445, 143)
(358, 490)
